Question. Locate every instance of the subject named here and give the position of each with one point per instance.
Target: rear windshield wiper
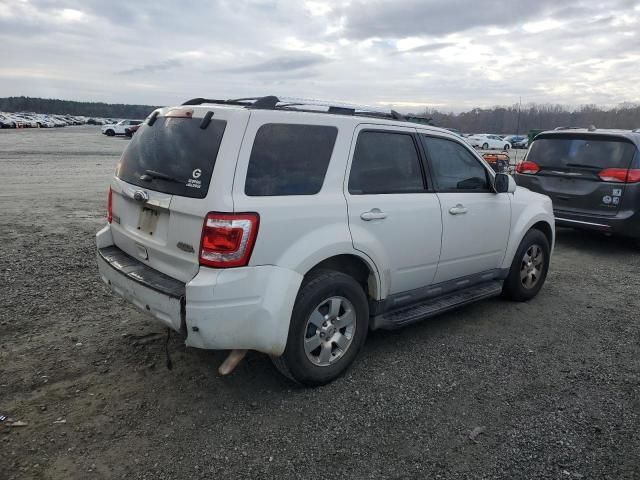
(151, 174)
(582, 165)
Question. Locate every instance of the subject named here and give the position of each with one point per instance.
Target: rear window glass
(581, 152)
(173, 156)
(288, 159)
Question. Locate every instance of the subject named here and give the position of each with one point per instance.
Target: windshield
(173, 156)
(581, 151)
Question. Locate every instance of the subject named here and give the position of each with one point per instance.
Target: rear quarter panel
(299, 231)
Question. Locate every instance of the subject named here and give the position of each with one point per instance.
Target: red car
(129, 131)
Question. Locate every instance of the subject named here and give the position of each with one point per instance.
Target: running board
(435, 306)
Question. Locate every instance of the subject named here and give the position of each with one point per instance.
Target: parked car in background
(487, 141)
(119, 128)
(591, 175)
(513, 139)
(44, 121)
(6, 122)
(27, 121)
(521, 142)
(312, 229)
(18, 122)
(39, 120)
(129, 131)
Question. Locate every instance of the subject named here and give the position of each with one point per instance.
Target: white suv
(293, 228)
(119, 128)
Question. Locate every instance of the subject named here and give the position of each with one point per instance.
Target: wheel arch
(546, 229)
(540, 222)
(361, 270)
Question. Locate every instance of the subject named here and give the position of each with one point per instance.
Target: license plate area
(148, 220)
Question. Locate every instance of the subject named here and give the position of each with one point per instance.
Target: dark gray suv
(592, 176)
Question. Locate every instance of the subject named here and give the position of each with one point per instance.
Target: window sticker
(194, 182)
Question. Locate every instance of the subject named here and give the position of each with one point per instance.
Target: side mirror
(504, 183)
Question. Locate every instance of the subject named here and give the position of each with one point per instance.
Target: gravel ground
(545, 389)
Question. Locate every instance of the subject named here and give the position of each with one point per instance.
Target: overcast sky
(454, 54)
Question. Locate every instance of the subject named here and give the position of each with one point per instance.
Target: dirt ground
(545, 389)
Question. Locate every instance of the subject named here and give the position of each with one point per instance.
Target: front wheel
(485, 146)
(506, 146)
(328, 327)
(529, 267)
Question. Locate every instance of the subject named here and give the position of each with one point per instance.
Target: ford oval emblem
(140, 196)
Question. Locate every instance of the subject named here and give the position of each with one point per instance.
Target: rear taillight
(228, 239)
(110, 206)
(620, 175)
(528, 168)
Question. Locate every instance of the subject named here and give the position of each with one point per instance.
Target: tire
(485, 146)
(506, 146)
(322, 292)
(519, 288)
(110, 133)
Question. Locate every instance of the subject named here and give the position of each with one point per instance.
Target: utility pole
(518, 124)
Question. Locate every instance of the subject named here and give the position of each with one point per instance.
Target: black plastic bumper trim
(143, 274)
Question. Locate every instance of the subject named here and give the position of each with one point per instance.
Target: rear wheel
(529, 267)
(110, 133)
(485, 146)
(328, 327)
(506, 146)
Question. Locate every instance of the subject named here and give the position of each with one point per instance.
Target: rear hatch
(581, 173)
(164, 185)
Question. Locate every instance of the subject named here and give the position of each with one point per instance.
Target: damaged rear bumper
(223, 309)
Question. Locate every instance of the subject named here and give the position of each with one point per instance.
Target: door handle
(373, 214)
(459, 209)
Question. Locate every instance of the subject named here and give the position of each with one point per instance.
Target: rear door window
(289, 159)
(385, 162)
(581, 152)
(174, 156)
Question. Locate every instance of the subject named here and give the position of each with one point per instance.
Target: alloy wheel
(532, 266)
(330, 331)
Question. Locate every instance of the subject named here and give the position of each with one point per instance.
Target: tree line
(513, 119)
(68, 107)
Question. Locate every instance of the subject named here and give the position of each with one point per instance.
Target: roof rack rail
(636, 130)
(200, 101)
(568, 128)
(271, 102)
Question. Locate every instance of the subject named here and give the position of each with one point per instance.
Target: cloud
(429, 47)
(153, 67)
(399, 19)
(281, 64)
(456, 54)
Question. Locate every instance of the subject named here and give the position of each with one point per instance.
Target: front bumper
(223, 309)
